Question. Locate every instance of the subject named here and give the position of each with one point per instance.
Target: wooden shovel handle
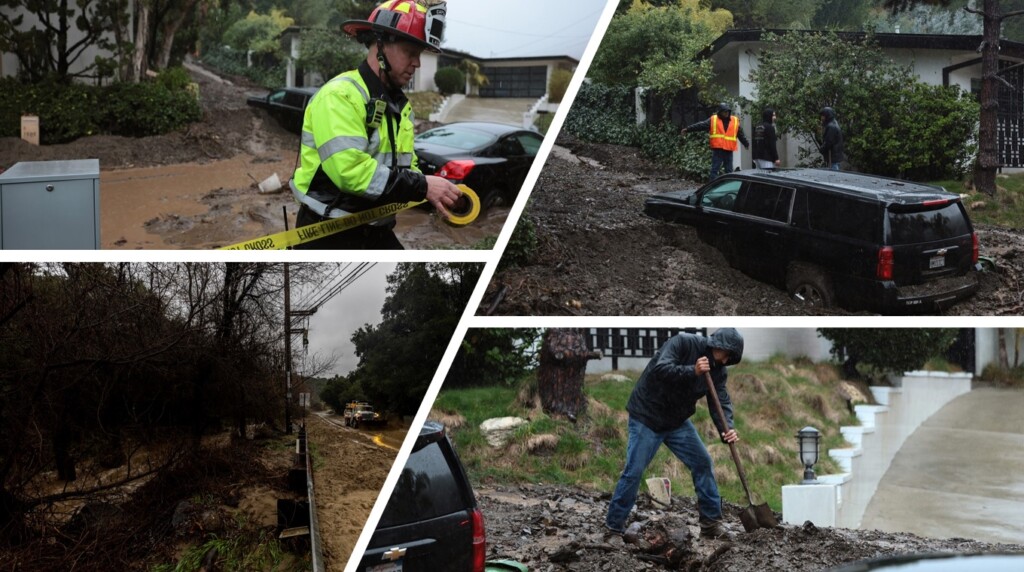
(722, 430)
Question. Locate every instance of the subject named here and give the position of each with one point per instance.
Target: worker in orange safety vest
(724, 130)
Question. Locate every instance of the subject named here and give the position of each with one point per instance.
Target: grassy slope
(772, 399)
(1006, 209)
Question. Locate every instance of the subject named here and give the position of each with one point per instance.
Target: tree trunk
(1004, 360)
(138, 69)
(169, 30)
(988, 145)
(563, 363)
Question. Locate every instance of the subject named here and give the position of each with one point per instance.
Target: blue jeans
(720, 158)
(686, 445)
(835, 166)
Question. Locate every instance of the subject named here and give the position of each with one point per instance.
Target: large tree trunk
(168, 31)
(138, 69)
(1004, 359)
(563, 363)
(988, 145)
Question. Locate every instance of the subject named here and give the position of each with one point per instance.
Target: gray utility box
(50, 205)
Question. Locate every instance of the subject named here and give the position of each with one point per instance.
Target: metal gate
(632, 342)
(1010, 124)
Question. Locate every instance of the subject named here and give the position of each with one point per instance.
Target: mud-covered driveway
(597, 253)
(556, 528)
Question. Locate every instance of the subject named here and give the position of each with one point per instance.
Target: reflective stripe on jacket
(335, 142)
(722, 138)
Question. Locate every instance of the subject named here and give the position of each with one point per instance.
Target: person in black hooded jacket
(660, 407)
(831, 139)
(765, 147)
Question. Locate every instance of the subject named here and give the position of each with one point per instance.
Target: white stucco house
(936, 59)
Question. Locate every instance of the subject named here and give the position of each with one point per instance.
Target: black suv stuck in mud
(432, 521)
(832, 237)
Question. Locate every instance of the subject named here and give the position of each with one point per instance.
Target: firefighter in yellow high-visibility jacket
(724, 130)
(356, 151)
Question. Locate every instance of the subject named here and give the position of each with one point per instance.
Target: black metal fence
(632, 342)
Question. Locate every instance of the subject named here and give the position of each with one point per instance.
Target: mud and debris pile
(554, 529)
(597, 254)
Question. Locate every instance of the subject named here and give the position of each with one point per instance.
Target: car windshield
(451, 136)
(928, 225)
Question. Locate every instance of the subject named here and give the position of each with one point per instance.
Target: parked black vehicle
(432, 521)
(287, 105)
(832, 237)
(490, 158)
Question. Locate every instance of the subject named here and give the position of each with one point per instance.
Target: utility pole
(287, 351)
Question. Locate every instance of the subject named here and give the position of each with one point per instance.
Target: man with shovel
(660, 407)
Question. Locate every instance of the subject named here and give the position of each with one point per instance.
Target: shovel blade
(757, 516)
(765, 517)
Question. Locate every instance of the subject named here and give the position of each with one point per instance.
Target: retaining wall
(840, 500)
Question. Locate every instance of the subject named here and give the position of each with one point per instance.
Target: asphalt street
(961, 474)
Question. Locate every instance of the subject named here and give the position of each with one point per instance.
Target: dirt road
(348, 472)
(197, 188)
(599, 255)
(556, 528)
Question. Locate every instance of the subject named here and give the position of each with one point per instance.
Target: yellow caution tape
(467, 212)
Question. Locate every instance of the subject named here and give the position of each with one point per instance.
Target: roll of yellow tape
(469, 211)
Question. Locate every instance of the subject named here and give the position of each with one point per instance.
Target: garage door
(515, 82)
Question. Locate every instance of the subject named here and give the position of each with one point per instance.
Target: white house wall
(9, 65)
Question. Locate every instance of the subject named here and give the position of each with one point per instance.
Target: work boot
(715, 529)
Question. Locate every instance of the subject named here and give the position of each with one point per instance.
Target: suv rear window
(928, 226)
(426, 489)
(837, 214)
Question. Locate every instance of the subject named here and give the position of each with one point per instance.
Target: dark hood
(828, 113)
(730, 340)
(767, 114)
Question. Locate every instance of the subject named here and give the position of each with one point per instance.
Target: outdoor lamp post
(807, 441)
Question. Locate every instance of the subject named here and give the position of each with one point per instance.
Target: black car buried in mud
(490, 158)
(287, 105)
(832, 237)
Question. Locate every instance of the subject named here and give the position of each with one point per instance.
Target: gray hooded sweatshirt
(667, 392)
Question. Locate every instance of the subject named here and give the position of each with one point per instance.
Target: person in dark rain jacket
(831, 139)
(766, 140)
(660, 407)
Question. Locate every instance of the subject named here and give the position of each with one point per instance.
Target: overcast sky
(331, 328)
(489, 28)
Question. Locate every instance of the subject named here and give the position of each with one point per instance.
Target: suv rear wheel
(809, 285)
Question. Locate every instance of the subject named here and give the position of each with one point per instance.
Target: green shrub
(174, 79)
(603, 114)
(664, 144)
(558, 85)
(450, 80)
(269, 73)
(148, 108)
(329, 52)
(66, 112)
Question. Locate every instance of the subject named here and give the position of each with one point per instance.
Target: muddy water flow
(214, 204)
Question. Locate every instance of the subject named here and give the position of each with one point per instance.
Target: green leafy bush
(450, 80)
(893, 350)
(521, 246)
(329, 52)
(269, 73)
(663, 144)
(603, 114)
(174, 79)
(140, 109)
(66, 112)
(558, 85)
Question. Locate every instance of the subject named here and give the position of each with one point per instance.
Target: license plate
(388, 567)
(936, 262)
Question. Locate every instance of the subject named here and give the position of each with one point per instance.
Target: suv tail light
(456, 170)
(885, 263)
(974, 248)
(479, 541)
